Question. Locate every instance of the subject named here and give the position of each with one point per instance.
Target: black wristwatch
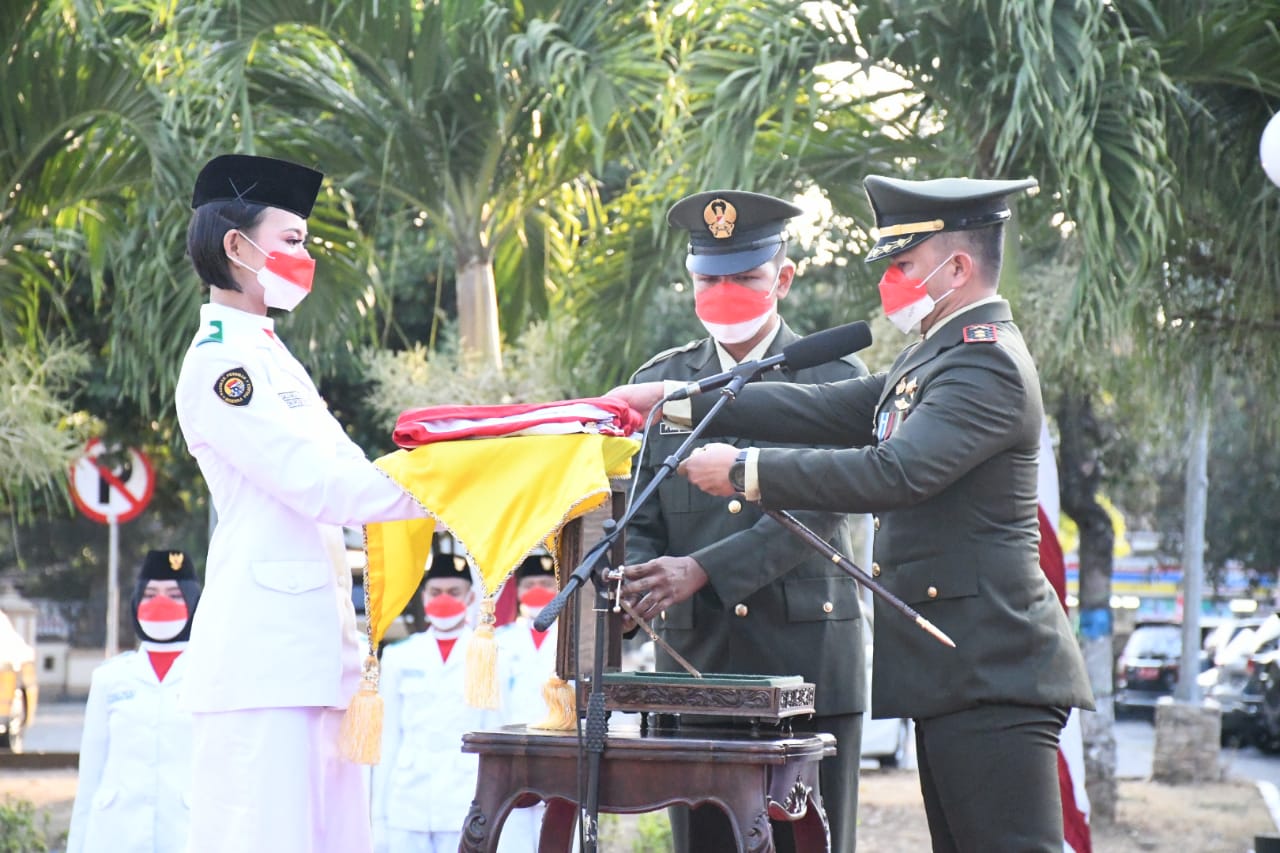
(738, 472)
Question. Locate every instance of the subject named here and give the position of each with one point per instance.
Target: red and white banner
(1075, 801)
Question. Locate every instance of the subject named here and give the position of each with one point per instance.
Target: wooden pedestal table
(751, 778)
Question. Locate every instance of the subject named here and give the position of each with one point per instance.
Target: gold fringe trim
(561, 705)
(360, 739)
(480, 683)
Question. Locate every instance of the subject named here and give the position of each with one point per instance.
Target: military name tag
(292, 399)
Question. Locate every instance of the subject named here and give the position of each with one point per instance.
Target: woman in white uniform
(135, 752)
(274, 656)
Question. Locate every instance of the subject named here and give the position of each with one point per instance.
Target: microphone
(809, 351)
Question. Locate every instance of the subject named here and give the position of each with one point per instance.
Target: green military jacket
(944, 448)
(772, 605)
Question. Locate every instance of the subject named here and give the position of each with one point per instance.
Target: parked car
(1230, 639)
(1148, 666)
(1236, 681)
(19, 692)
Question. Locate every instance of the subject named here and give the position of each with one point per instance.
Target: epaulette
(979, 333)
(668, 353)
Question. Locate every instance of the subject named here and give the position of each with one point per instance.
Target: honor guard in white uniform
(422, 789)
(274, 655)
(527, 658)
(134, 785)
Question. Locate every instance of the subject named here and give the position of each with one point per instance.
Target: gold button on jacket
(740, 610)
(875, 570)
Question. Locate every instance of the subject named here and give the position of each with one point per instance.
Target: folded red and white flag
(604, 415)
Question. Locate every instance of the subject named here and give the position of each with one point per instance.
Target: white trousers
(408, 841)
(271, 780)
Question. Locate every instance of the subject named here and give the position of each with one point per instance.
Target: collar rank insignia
(900, 404)
(912, 386)
(901, 388)
(980, 333)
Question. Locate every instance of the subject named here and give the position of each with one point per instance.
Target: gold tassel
(361, 737)
(561, 704)
(481, 680)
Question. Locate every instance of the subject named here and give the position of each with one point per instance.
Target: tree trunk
(478, 313)
(1080, 473)
(1196, 498)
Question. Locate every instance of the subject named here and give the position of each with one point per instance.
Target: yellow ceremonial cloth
(500, 497)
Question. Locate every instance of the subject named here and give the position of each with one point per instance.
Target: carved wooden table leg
(558, 825)
(751, 778)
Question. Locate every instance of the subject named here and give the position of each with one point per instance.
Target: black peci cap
(731, 231)
(536, 565)
(910, 212)
(258, 180)
(446, 561)
(166, 566)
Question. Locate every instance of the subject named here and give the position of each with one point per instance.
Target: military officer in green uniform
(726, 586)
(943, 448)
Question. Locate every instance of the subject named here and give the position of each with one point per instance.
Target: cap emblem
(720, 217)
(175, 561)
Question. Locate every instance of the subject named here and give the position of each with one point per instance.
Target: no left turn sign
(116, 490)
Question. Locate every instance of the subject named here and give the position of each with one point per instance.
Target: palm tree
(747, 107)
(80, 134)
(480, 120)
(1099, 101)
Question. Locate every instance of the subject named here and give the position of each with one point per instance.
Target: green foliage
(40, 436)
(416, 378)
(22, 828)
(648, 832)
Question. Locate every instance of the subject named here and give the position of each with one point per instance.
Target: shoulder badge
(234, 387)
(980, 333)
(666, 354)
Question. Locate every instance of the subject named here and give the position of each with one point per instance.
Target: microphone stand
(597, 725)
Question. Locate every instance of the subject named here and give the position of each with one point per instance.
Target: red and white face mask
(162, 618)
(733, 313)
(534, 599)
(905, 300)
(446, 612)
(285, 279)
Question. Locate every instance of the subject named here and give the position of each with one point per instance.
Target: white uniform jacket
(425, 782)
(135, 761)
(525, 669)
(276, 626)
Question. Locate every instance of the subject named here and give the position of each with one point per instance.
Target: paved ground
(1220, 818)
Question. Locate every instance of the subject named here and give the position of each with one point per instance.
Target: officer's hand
(641, 396)
(708, 468)
(654, 586)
